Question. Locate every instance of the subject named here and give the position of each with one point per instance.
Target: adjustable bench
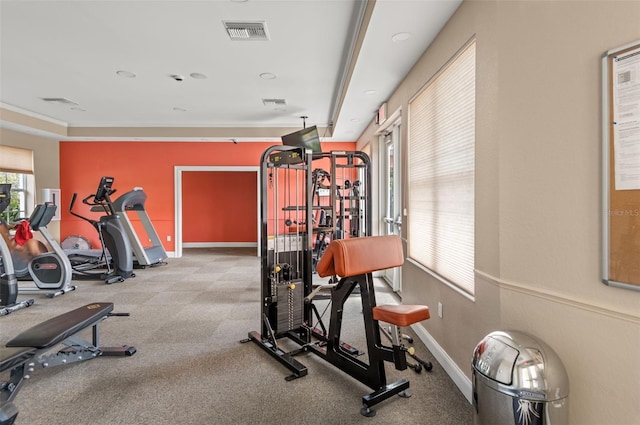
(354, 260)
(34, 348)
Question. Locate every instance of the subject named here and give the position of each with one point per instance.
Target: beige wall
(538, 208)
(46, 163)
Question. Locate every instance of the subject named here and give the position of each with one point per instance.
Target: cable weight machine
(290, 190)
(303, 208)
(285, 184)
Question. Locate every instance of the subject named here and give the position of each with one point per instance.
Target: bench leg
(9, 389)
(399, 387)
(8, 413)
(78, 349)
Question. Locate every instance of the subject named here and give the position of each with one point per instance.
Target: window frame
(19, 192)
(436, 201)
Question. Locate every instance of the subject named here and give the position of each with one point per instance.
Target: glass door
(391, 196)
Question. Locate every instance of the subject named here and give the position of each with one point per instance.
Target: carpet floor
(187, 320)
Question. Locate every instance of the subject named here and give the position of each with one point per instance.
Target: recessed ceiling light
(268, 76)
(355, 120)
(198, 76)
(401, 36)
(370, 92)
(177, 109)
(75, 108)
(126, 74)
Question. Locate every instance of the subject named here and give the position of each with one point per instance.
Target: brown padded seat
(401, 315)
(356, 256)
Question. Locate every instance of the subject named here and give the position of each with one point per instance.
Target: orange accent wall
(149, 165)
(219, 206)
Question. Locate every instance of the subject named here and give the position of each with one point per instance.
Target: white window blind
(16, 160)
(441, 173)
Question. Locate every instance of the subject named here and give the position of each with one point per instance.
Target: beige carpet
(187, 320)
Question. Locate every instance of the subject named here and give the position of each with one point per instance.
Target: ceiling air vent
(60, 100)
(246, 30)
(274, 102)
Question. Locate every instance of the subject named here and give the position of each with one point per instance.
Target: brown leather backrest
(356, 256)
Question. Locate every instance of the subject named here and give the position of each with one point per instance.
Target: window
(18, 206)
(441, 161)
(15, 167)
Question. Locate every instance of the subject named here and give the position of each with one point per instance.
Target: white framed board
(621, 166)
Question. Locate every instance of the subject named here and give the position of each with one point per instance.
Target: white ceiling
(334, 61)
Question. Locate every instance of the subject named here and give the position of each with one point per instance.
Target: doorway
(391, 195)
(178, 190)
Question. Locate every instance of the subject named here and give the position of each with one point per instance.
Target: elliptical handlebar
(72, 212)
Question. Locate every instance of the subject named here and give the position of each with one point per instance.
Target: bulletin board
(621, 166)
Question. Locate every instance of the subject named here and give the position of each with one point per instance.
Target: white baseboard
(447, 363)
(219, 244)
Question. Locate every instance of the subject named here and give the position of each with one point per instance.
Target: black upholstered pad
(10, 357)
(57, 329)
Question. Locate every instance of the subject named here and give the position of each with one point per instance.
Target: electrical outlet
(440, 310)
(168, 238)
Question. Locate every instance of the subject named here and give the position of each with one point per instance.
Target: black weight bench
(34, 348)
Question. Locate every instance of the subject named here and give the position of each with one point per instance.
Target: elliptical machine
(113, 238)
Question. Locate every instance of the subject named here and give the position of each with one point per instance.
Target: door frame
(177, 185)
(393, 125)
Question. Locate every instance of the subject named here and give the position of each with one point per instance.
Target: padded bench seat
(11, 357)
(401, 315)
(59, 328)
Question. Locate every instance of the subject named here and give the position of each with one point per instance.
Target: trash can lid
(520, 365)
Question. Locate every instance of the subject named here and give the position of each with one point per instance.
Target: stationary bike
(8, 282)
(51, 270)
(113, 237)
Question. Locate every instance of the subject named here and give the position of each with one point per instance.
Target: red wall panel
(149, 165)
(219, 206)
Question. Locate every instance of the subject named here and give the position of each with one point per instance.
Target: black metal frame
(373, 373)
(287, 311)
(285, 160)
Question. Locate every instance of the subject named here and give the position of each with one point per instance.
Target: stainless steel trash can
(518, 380)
